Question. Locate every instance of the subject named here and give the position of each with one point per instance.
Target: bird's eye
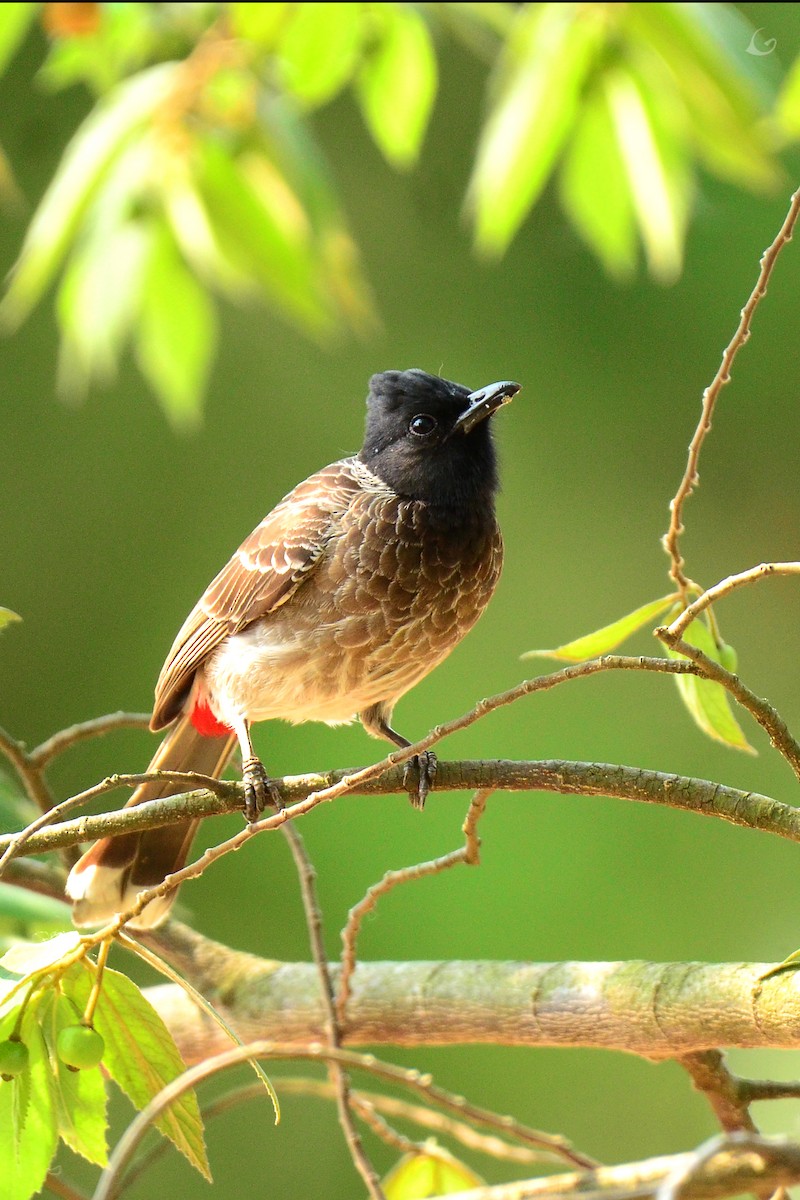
(422, 425)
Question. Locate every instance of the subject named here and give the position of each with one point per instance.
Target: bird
(351, 590)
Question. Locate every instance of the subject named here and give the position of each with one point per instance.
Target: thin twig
(725, 587)
(767, 1162)
(59, 1187)
(36, 787)
(46, 751)
(14, 844)
(722, 1089)
(338, 1075)
(690, 478)
(736, 1143)
(768, 718)
(542, 683)
(410, 1079)
(428, 1118)
(467, 853)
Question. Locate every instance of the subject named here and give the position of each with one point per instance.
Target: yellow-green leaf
(397, 83)
(28, 1133)
(318, 51)
(706, 700)
(790, 963)
(27, 957)
(604, 640)
(419, 1176)
(176, 332)
(538, 85)
(594, 188)
(103, 136)
(80, 1096)
(14, 25)
(655, 162)
(141, 1057)
(7, 617)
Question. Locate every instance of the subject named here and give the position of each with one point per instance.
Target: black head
(429, 439)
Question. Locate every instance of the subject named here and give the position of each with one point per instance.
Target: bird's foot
(418, 777)
(259, 790)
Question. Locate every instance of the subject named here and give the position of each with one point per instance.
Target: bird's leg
(259, 789)
(420, 770)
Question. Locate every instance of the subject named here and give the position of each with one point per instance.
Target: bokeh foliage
(111, 527)
(197, 173)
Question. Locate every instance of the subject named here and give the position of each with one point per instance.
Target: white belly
(264, 673)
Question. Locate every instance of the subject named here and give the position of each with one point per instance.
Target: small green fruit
(14, 1058)
(80, 1047)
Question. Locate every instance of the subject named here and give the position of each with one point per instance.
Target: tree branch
(748, 809)
(743, 1164)
(658, 1010)
(671, 538)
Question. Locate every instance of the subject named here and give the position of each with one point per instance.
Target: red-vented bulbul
(350, 591)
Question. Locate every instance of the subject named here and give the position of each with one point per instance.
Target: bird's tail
(107, 879)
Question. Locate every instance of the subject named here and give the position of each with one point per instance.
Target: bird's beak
(483, 403)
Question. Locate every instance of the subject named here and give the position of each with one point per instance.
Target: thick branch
(659, 1010)
(749, 809)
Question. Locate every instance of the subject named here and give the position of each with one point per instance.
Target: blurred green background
(112, 525)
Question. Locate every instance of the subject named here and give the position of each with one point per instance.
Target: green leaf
(262, 228)
(397, 82)
(15, 22)
(418, 1176)
(7, 617)
(176, 332)
(29, 908)
(260, 24)
(96, 306)
(126, 37)
(160, 964)
(141, 1057)
(703, 48)
(318, 50)
(594, 188)
(28, 1131)
(656, 165)
(604, 640)
(94, 148)
(788, 109)
(26, 958)
(706, 700)
(335, 261)
(538, 86)
(80, 1096)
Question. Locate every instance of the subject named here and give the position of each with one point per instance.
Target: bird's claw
(259, 790)
(418, 777)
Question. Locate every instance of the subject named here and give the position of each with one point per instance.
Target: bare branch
(468, 853)
(721, 1088)
(690, 478)
(740, 1163)
(410, 1079)
(32, 780)
(338, 1076)
(725, 587)
(768, 718)
(97, 727)
(751, 810)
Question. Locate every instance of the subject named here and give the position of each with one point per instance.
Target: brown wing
(261, 575)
